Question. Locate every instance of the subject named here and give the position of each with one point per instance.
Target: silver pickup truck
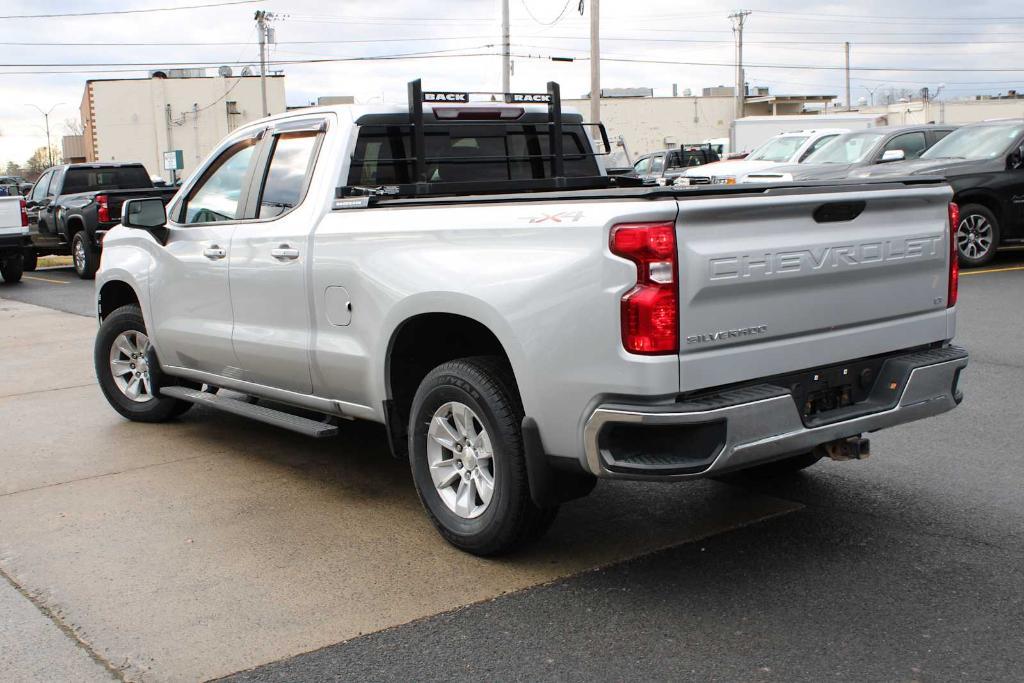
(465, 273)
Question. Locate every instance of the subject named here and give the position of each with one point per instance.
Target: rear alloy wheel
(467, 456)
(86, 259)
(977, 235)
(11, 268)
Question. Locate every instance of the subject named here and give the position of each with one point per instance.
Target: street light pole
(46, 117)
(506, 50)
(595, 61)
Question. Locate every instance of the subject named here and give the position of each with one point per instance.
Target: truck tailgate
(795, 280)
(10, 216)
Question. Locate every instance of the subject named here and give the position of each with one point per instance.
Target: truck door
(270, 258)
(191, 302)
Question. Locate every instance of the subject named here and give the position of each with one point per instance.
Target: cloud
(781, 32)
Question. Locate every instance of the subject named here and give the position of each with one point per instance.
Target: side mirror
(147, 214)
(31, 204)
(893, 155)
(1016, 159)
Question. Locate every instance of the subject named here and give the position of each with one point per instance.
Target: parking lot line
(45, 279)
(991, 270)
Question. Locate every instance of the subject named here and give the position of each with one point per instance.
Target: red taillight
(650, 311)
(102, 210)
(24, 214)
(954, 256)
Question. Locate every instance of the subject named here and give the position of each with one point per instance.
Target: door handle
(285, 253)
(215, 253)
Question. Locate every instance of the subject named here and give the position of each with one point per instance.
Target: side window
(219, 193)
(39, 189)
(657, 164)
(912, 144)
(818, 144)
(642, 165)
(51, 187)
(290, 166)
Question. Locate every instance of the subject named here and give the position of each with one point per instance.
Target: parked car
(515, 317)
(785, 148)
(13, 238)
(984, 162)
(71, 207)
(857, 149)
(662, 168)
(14, 185)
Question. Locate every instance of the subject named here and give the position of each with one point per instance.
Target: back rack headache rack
(422, 186)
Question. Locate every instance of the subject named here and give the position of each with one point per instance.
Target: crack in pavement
(63, 627)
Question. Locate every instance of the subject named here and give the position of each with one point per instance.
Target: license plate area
(818, 393)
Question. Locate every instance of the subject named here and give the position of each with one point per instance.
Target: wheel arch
(421, 341)
(986, 199)
(115, 294)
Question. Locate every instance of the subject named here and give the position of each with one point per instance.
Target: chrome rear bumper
(762, 423)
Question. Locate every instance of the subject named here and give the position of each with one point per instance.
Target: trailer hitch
(852, 448)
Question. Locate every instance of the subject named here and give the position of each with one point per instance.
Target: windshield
(846, 149)
(778, 149)
(976, 142)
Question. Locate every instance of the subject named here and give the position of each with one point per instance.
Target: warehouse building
(139, 119)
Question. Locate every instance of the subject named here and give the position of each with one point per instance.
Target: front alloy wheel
(977, 236)
(129, 366)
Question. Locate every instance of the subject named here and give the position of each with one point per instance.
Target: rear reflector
(24, 214)
(650, 311)
(954, 256)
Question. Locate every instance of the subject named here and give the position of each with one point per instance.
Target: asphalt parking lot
(214, 547)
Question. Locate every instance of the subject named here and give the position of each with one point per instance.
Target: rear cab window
(112, 178)
(465, 152)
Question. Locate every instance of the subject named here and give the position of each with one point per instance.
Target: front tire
(467, 457)
(122, 356)
(11, 268)
(977, 235)
(85, 257)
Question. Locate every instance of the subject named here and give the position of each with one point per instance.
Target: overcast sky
(789, 46)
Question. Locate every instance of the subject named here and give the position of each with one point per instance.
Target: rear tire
(30, 259)
(122, 355)
(977, 235)
(467, 457)
(84, 256)
(11, 268)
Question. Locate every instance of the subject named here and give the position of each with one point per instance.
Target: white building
(139, 119)
(952, 111)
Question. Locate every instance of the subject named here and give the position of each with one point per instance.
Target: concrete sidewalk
(210, 545)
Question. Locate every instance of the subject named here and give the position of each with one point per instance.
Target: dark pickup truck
(71, 207)
(984, 163)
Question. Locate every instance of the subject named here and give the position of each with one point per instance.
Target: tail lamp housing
(24, 214)
(650, 310)
(954, 256)
(102, 208)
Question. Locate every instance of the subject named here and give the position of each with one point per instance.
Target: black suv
(984, 162)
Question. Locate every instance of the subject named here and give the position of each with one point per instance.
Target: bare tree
(73, 127)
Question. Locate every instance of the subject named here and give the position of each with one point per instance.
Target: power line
(129, 11)
(546, 23)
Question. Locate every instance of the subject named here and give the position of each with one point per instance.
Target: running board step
(278, 418)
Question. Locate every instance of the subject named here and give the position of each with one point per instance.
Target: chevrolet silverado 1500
(465, 273)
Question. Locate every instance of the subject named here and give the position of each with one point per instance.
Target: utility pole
(739, 18)
(46, 117)
(595, 61)
(262, 17)
(849, 104)
(506, 50)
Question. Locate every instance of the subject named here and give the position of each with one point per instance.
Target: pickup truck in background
(984, 163)
(13, 238)
(71, 207)
(465, 273)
